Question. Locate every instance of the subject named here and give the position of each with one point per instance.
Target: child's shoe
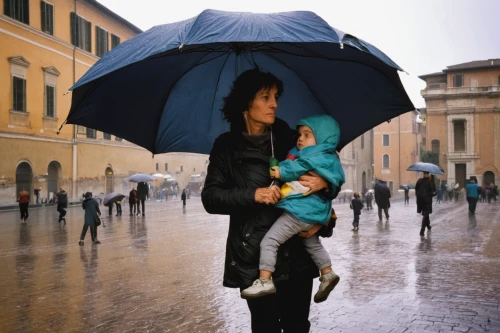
(97, 242)
(328, 282)
(80, 243)
(260, 287)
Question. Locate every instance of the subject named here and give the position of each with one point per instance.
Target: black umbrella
(173, 77)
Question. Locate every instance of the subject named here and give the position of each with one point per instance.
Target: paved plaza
(163, 273)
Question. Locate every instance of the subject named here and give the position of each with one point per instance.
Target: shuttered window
(107, 136)
(47, 18)
(17, 9)
(50, 101)
(101, 41)
(385, 140)
(18, 94)
(81, 32)
(91, 133)
(115, 41)
(385, 161)
(458, 80)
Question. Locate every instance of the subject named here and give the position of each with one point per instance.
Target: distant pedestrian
(183, 197)
(425, 190)
(356, 206)
(369, 199)
(382, 198)
(407, 195)
(37, 194)
(439, 195)
(24, 200)
(132, 201)
(483, 193)
(92, 218)
(62, 204)
(142, 192)
(118, 204)
(472, 195)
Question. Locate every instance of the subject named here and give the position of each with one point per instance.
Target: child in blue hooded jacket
(315, 151)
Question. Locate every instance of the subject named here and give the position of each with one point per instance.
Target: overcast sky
(421, 36)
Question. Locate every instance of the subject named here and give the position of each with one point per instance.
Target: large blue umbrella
(426, 167)
(164, 88)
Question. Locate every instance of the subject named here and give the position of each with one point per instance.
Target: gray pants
(283, 229)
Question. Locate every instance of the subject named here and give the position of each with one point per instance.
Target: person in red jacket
(24, 201)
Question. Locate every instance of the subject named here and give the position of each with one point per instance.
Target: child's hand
(275, 172)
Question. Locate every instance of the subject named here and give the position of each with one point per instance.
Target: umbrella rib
(216, 86)
(307, 85)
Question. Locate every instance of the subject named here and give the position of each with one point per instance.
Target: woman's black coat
(142, 191)
(425, 190)
(238, 166)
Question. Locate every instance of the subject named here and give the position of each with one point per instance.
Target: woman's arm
(221, 196)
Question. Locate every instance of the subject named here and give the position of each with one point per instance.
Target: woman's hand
(268, 195)
(314, 181)
(309, 233)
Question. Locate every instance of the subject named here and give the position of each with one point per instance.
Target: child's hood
(325, 128)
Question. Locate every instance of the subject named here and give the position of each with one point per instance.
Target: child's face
(306, 137)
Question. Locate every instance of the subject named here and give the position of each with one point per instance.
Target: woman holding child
(238, 184)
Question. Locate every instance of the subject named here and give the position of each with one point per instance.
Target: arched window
(385, 161)
(435, 146)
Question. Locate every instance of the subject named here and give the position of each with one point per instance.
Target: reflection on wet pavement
(163, 273)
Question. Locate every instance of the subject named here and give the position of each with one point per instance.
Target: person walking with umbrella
(24, 200)
(62, 204)
(92, 219)
(237, 184)
(407, 195)
(425, 189)
(369, 199)
(382, 199)
(142, 192)
(472, 190)
(132, 201)
(184, 197)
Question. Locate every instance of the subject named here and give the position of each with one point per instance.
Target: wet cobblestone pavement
(163, 273)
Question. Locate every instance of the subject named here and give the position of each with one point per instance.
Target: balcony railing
(441, 88)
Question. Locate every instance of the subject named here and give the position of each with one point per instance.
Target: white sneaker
(328, 282)
(260, 287)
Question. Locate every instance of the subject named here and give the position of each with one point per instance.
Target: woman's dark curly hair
(243, 92)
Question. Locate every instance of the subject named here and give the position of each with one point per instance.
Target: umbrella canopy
(158, 175)
(346, 191)
(112, 197)
(426, 167)
(140, 177)
(407, 186)
(173, 78)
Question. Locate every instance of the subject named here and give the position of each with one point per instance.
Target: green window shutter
(44, 16)
(7, 8)
(73, 28)
(50, 101)
(25, 12)
(50, 19)
(88, 36)
(106, 46)
(97, 35)
(19, 94)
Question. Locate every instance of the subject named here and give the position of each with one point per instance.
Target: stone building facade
(463, 120)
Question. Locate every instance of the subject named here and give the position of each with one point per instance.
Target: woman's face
(263, 107)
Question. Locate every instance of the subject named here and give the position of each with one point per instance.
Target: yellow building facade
(463, 120)
(398, 144)
(46, 46)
